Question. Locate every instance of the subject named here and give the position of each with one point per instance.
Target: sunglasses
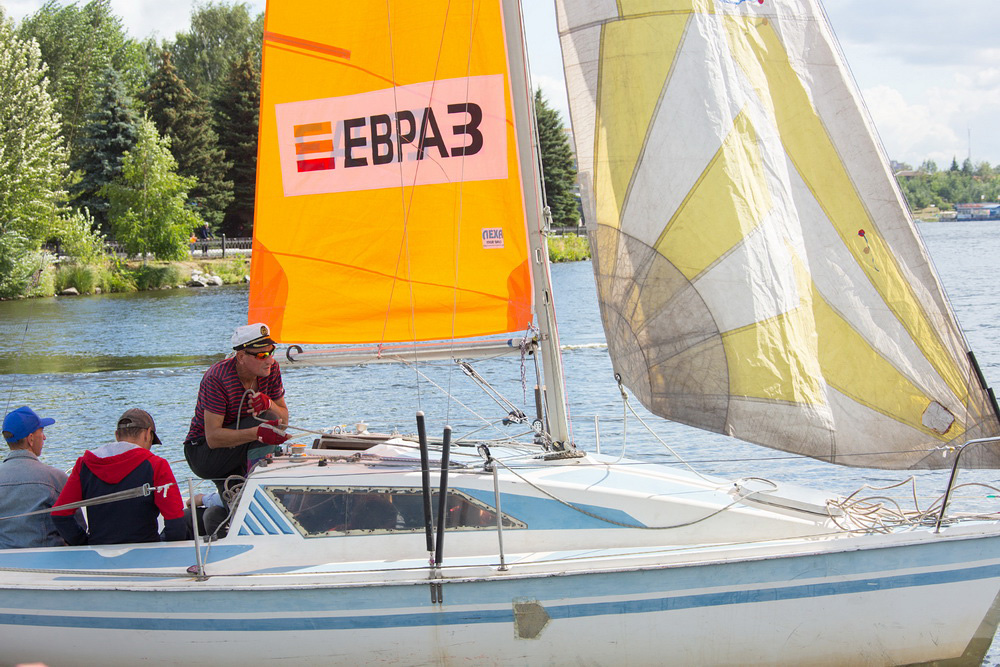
(262, 355)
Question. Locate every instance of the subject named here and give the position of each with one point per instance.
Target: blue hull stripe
(262, 519)
(143, 558)
(248, 522)
(561, 611)
(275, 517)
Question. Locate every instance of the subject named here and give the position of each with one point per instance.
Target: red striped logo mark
(311, 152)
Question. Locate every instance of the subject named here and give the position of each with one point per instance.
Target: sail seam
(386, 275)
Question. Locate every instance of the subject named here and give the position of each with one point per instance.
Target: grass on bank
(118, 276)
(568, 248)
(121, 276)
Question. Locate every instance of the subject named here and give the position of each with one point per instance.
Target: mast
(527, 141)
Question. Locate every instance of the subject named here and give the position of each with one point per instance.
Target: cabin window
(323, 511)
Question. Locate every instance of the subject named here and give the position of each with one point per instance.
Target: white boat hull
(885, 600)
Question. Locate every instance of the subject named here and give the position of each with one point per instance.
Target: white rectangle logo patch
(435, 132)
(493, 237)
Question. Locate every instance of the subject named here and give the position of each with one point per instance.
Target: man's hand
(195, 500)
(270, 433)
(259, 402)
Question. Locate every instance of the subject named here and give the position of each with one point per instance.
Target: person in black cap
(241, 413)
(27, 485)
(122, 465)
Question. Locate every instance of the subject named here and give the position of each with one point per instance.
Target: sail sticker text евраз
(435, 132)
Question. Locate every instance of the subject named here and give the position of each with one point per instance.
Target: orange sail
(389, 200)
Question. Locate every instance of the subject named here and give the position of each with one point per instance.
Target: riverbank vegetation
(133, 276)
(568, 248)
(104, 137)
(928, 186)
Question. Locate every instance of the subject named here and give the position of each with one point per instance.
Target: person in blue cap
(27, 485)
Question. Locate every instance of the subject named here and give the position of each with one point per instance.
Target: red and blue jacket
(122, 521)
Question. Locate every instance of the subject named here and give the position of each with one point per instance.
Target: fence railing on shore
(567, 231)
(220, 245)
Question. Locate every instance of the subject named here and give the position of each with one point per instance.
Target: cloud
(911, 133)
(938, 128)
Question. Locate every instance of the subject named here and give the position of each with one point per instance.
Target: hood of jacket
(113, 469)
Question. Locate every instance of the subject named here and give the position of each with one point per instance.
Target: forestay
(757, 270)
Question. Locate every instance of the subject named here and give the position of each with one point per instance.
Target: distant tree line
(959, 184)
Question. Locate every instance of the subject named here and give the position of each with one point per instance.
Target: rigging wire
(625, 524)
(627, 405)
(457, 228)
(36, 278)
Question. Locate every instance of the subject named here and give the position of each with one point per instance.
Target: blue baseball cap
(23, 422)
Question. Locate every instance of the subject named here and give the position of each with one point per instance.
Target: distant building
(981, 211)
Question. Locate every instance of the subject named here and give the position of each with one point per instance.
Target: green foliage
(147, 202)
(110, 132)
(237, 109)
(148, 276)
(114, 277)
(568, 248)
(944, 189)
(558, 164)
(221, 34)
(231, 271)
(32, 162)
(78, 239)
(79, 43)
(117, 282)
(183, 117)
(88, 278)
(21, 266)
(83, 277)
(44, 284)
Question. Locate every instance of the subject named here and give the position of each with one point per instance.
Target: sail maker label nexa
(435, 132)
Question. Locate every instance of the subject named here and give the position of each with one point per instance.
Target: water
(85, 360)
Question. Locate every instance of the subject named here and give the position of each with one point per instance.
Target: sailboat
(758, 277)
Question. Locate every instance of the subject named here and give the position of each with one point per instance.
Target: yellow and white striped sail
(757, 270)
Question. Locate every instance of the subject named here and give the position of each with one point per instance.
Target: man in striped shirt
(241, 412)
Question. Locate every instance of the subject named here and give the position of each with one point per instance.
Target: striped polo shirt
(221, 393)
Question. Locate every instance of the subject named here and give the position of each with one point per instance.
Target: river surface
(84, 360)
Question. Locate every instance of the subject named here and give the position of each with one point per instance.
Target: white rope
(652, 433)
(624, 524)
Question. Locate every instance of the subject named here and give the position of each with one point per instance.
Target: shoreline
(69, 279)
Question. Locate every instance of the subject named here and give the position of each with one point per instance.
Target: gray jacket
(26, 485)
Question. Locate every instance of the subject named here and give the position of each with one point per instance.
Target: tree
(928, 167)
(78, 44)
(984, 171)
(110, 133)
(32, 161)
(237, 110)
(147, 209)
(558, 164)
(220, 34)
(184, 117)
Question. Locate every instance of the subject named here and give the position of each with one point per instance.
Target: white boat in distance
(758, 276)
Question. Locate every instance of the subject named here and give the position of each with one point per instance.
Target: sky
(929, 70)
